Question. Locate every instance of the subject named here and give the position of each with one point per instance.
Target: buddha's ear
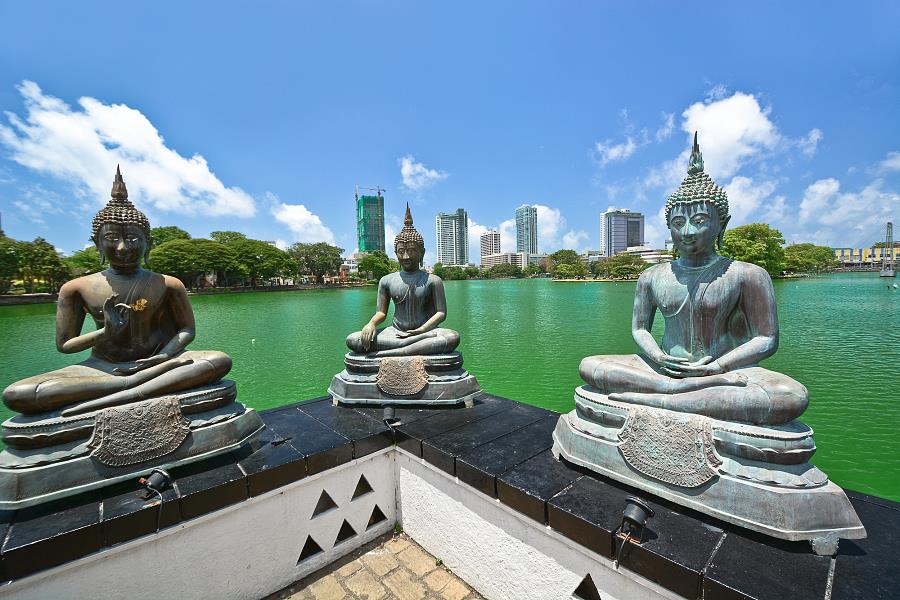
(99, 250)
(721, 238)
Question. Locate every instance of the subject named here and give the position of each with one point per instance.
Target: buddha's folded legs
(92, 383)
(388, 343)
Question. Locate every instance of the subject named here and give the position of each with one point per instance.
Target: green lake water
(523, 339)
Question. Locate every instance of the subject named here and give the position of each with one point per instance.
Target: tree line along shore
(230, 261)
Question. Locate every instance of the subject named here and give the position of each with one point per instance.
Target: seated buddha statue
(144, 325)
(419, 307)
(720, 322)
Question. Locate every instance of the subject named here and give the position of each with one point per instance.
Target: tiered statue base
(752, 476)
(437, 379)
(49, 456)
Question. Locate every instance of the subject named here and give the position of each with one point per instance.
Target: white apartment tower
(620, 229)
(452, 238)
(490, 243)
(526, 229)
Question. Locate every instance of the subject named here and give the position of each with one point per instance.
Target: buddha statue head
(697, 212)
(409, 245)
(120, 231)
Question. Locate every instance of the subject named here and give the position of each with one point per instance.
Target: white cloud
(306, 226)
(847, 218)
(551, 225)
(392, 226)
(608, 152)
(732, 132)
(891, 163)
(416, 176)
(281, 244)
(475, 233)
(508, 235)
(716, 92)
(809, 144)
(775, 210)
(745, 196)
(668, 126)
(574, 240)
(84, 145)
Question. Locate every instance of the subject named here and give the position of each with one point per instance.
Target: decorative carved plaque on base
(671, 447)
(402, 376)
(132, 433)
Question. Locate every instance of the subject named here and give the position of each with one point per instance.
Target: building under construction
(370, 220)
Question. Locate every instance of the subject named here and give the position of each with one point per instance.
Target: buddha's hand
(143, 363)
(367, 336)
(403, 334)
(115, 317)
(700, 368)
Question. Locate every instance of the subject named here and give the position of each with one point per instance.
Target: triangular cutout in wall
(324, 504)
(586, 590)
(376, 518)
(345, 533)
(310, 548)
(362, 487)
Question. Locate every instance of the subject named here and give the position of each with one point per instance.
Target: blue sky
(262, 117)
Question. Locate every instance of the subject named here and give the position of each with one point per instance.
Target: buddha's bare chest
(144, 297)
(680, 297)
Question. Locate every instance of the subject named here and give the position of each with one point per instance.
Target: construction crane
(887, 253)
(377, 189)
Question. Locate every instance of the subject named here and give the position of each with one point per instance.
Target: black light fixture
(634, 518)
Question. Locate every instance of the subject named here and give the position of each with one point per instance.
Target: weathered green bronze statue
(413, 361)
(694, 418)
(419, 307)
(144, 324)
(140, 401)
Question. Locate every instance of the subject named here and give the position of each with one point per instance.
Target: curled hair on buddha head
(409, 233)
(120, 211)
(699, 187)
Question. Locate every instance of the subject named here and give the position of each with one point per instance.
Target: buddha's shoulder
(748, 270)
(656, 271)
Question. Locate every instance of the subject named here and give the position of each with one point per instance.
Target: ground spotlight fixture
(634, 517)
(156, 482)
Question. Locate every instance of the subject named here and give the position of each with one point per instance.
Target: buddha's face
(409, 254)
(123, 245)
(694, 227)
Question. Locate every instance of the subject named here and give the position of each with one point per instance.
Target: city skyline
(542, 107)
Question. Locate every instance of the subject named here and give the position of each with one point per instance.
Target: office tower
(526, 229)
(452, 238)
(370, 221)
(620, 229)
(490, 243)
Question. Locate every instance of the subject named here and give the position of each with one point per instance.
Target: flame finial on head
(119, 210)
(695, 164)
(409, 233)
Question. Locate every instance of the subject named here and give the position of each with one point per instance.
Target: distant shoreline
(26, 299)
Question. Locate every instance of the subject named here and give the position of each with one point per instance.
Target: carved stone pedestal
(752, 476)
(406, 380)
(97, 449)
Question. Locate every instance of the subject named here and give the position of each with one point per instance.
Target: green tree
(376, 265)
(505, 270)
(260, 260)
(565, 257)
(439, 270)
(189, 259)
(532, 269)
(809, 258)
(161, 235)
(620, 266)
(472, 272)
(40, 262)
(9, 262)
(317, 259)
(84, 261)
(756, 243)
(564, 271)
(227, 237)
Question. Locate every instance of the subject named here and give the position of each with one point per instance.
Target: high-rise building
(619, 230)
(452, 238)
(526, 229)
(490, 243)
(370, 222)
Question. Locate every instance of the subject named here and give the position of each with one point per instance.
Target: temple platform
(476, 487)
(435, 380)
(86, 454)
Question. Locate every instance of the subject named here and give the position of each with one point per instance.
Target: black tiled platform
(499, 447)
